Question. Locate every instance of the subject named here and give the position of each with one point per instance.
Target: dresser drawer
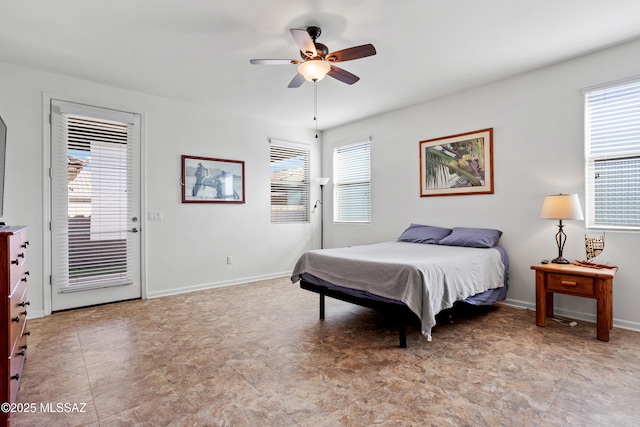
(16, 366)
(18, 306)
(18, 259)
(570, 284)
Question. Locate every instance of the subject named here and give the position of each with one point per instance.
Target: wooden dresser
(13, 312)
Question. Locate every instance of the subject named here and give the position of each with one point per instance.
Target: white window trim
(304, 216)
(591, 158)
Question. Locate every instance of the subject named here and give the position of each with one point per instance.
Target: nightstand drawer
(567, 283)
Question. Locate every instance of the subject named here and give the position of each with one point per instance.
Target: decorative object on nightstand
(561, 206)
(593, 246)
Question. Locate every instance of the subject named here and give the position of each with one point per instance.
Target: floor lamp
(322, 182)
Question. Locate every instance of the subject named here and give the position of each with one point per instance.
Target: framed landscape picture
(457, 164)
(208, 180)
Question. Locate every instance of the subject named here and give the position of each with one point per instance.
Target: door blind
(92, 190)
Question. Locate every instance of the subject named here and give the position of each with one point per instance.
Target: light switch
(154, 216)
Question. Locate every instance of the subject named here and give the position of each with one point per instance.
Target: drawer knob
(24, 279)
(21, 353)
(26, 334)
(16, 319)
(569, 283)
(15, 377)
(25, 244)
(24, 313)
(15, 261)
(21, 255)
(24, 303)
(26, 273)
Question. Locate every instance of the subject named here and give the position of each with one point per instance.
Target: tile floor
(257, 355)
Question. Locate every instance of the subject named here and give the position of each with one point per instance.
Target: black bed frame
(400, 311)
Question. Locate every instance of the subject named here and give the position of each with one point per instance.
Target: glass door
(95, 202)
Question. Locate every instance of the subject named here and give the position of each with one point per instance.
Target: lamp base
(560, 260)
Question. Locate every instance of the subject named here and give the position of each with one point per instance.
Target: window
(289, 183)
(352, 178)
(612, 147)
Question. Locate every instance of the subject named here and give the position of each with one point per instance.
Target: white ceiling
(199, 50)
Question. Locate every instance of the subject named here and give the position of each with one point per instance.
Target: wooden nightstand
(579, 281)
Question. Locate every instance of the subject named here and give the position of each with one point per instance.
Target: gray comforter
(426, 278)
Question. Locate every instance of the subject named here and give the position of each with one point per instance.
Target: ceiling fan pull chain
(315, 104)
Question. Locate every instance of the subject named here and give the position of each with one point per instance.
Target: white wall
(538, 126)
(187, 250)
(538, 149)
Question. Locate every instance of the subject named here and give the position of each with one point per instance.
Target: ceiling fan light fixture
(314, 69)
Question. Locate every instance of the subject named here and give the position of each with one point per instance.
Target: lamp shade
(314, 69)
(323, 181)
(561, 206)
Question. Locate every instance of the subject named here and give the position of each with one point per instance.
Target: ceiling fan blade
(297, 81)
(343, 75)
(304, 42)
(351, 53)
(274, 61)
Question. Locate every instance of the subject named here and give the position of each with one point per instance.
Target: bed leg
(402, 330)
(403, 337)
(321, 306)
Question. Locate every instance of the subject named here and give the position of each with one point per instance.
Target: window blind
(352, 182)
(612, 148)
(91, 192)
(289, 184)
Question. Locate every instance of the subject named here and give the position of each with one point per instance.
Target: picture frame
(456, 165)
(211, 180)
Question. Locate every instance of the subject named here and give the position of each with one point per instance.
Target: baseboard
(519, 304)
(35, 314)
(576, 315)
(212, 285)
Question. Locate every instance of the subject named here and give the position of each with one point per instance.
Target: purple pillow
(472, 237)
(417, 233)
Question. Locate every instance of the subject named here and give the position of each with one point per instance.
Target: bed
(424, 272)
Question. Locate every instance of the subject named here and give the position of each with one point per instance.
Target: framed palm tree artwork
(457, 164)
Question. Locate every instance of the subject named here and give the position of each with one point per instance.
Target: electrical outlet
(229, 260)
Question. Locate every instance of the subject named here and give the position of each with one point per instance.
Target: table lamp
(561, 206)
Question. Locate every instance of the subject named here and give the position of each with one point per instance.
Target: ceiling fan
(317, 61)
